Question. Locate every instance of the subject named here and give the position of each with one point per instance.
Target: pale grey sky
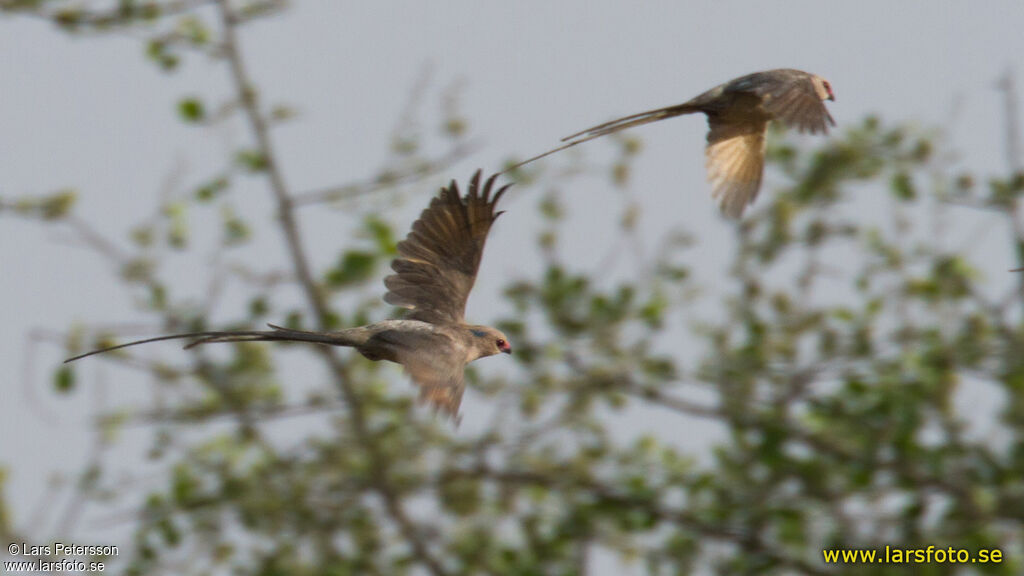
(91, 113)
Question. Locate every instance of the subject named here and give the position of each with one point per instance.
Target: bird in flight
(435, 270)
(738, 113)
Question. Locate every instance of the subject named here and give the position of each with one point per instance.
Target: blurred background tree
(840, 368)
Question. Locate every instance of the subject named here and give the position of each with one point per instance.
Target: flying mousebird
(738, 113)
(434, 272)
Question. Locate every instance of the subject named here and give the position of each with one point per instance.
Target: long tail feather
(611, 127)
(633, 120)
(538, 157)
(277, 334)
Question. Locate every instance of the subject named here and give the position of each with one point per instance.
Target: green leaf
(212, 189)
(158, 296)
(251, 160)
(280, 113)
(64, 379)
(57, 206)
(236, 231)
(551, 208)
(191, 110)
(157, 51)
(142, 236)
(382, 234)
(903, 187)
(68, 18)
(177, 216)
(258, 307)
(456, 126)
(355, 266)
(193, 30)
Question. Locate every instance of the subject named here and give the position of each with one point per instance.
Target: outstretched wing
(790, 97)
(735, 162)
(437, 262)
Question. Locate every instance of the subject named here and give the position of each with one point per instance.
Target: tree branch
(286, 214)
(386, 179)
(574, 485)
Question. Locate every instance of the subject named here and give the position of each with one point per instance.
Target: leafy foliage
(841, 375)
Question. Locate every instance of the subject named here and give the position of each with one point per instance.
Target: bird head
(823, 88)
(489, 341)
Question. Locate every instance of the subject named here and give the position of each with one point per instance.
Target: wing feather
(438, 261)
(441, 384)
(789, 96)
(735, 163)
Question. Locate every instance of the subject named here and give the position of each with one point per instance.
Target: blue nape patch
(479, 333)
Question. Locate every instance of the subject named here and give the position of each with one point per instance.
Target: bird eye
(500, 343)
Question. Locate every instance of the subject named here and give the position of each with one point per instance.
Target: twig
(258, 125)
(105, 18)
(93, 238)
(358, 189)
(1012, 122)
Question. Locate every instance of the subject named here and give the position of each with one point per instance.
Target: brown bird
(738, 113)
(434, 272)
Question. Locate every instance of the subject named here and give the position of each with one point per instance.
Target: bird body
(434, 273)
(738, 114)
